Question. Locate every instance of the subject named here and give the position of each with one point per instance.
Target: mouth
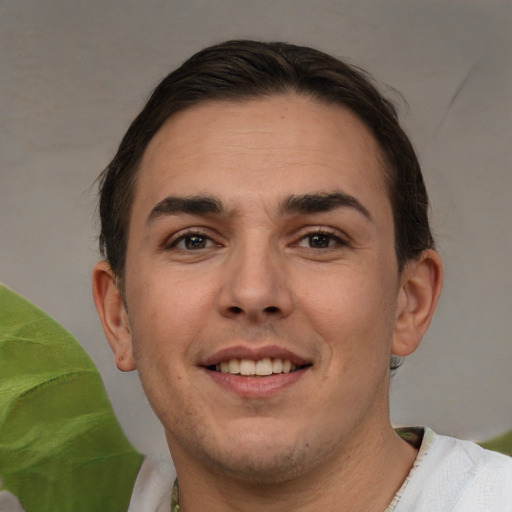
(256, 372)
(264, 367)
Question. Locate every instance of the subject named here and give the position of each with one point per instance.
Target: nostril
(236, 310)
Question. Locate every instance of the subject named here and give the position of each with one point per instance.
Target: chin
(265, 457)
(266, 468)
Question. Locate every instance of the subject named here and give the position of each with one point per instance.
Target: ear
(420, 287)
(114, 318)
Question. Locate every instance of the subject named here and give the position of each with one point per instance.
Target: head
(265, 213)
(243, 70)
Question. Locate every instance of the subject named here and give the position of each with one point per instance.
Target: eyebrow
(295, 204)
(193, 205)
(322, 202)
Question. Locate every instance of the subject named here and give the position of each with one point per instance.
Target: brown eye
(192, 242)
(320, 241)
(195, 242)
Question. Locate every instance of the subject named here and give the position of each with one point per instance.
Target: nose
(255, 286)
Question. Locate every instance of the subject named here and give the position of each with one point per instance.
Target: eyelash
(182, 237)
(331, 235)
(323, 232)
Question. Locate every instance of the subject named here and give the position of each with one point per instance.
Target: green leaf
(61, 446)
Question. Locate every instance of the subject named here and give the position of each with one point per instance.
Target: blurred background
(73, 74)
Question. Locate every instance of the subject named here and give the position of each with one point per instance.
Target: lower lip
(256, 387)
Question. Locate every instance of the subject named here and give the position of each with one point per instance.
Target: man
(267, 256)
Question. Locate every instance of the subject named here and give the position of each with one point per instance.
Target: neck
(362, 479)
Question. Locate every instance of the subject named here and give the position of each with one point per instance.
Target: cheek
(352, 310)
(166, 294)
(164, 323)
(167, 311)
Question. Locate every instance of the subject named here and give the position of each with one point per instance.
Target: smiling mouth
(260, 368)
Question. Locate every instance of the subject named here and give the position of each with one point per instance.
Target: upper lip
(255, 354)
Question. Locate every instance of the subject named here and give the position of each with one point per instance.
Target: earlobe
(420, 289)
(113, 316)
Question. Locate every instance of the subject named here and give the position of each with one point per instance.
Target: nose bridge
(254, 283)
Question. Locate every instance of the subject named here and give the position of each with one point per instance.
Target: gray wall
(74, 73)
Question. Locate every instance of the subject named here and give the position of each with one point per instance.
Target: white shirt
(450, 475)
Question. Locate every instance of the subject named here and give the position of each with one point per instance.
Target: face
(262, 284)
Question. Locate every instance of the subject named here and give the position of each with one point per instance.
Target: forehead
(279, 143)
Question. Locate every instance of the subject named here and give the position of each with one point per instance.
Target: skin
(260, 279)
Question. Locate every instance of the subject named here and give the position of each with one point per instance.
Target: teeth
(234, 366)
(277, 365)
(247, 367)
(262, 367)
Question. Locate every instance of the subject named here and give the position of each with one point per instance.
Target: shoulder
(457, 475)
(485, 476)
(152, 491)
(468, 456)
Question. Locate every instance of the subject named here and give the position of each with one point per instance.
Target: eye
(320, 240)
(192, 242)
